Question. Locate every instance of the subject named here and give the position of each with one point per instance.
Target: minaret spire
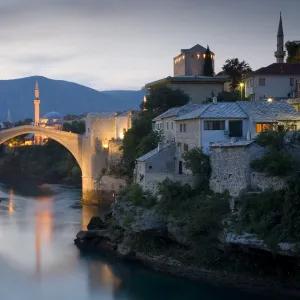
(280, 53)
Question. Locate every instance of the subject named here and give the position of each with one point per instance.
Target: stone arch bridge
(87, 151)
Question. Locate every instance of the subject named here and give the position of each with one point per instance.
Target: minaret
(36, 104)
(280, 53)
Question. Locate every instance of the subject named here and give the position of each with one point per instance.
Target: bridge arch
(71, 141)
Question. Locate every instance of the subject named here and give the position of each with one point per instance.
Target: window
(198, 55)
(172, 125)
(291, 81)
(250, 83)
(298, 86)
(262, 81)
(182, 127)
(124, 130)
(185, 147)
(214, 125)
(236, 128)
(260, 127)
(167, 125)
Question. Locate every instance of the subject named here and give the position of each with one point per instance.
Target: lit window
(214, 125)
(260, 127)
(204, 55)
(198, 55)
(211, 56)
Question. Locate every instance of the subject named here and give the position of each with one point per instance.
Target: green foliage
(75, 127)
(236, 70)
(134, 193)
(199, 164)
(140, 138)
(204, 212)
(128, 219)
(50, 163)
(271, 139)
(208, 64)
(27, 121)
(162, 98)
(273, 215)
(293, 49)
(274, 163)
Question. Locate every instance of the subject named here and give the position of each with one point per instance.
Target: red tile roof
(279, 68)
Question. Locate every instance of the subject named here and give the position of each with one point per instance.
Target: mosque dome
(53, 115)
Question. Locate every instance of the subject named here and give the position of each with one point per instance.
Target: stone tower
(36, 104)
(280, 53)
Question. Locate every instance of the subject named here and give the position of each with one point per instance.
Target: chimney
(215, 100)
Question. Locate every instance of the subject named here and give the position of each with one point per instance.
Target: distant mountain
(65, 97)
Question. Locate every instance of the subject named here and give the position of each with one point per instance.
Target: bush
(271, 139)
(274, 164)
(128, 219)
(199, 164)
(134, 193)
(204, 212)
(273, 215)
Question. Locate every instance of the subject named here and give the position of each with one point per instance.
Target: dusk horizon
(108, 45)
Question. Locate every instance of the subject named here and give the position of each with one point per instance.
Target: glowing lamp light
(270, 100)
(241, 84)
(105, 146)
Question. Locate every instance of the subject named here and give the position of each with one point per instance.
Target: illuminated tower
(280, 53)
(36, 104)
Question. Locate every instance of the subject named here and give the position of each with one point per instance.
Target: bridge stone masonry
(87, 150)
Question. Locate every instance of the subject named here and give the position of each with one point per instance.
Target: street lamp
(270, 100)
(241, 86)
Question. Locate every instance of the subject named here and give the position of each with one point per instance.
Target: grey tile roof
(148, 155)
(177, 111)
(239, 143)
(220, 110)
(102, 114)
(263, 111)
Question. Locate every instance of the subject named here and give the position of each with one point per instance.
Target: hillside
(17, 95)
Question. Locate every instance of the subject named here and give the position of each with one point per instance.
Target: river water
(38, 260)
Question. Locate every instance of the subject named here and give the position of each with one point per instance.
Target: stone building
(188, 76)
(190, 62)
(202, 126)
(109, 125)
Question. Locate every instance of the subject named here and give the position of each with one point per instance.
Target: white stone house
(276, 81)
(201, 125)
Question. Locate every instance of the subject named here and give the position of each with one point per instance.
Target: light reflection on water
(38, 259)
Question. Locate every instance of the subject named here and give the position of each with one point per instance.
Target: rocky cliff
(163, 243)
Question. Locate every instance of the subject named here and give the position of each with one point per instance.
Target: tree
(162, 98)
(208, 64)
(199, 163)
(24, 122)
(140, 138)
(236, 70)
(75, 127)
(293, 49)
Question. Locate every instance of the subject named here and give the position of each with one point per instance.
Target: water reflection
(37, 256)
(11, 201)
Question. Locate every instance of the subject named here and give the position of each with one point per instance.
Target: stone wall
(114, 152)
(108, 183)
(151, 180)
(231, 167)
(263, 182)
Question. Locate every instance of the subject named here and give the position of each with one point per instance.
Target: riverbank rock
(96, 223)
(137, 219)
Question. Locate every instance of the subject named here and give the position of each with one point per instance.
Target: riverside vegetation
(51, 163)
